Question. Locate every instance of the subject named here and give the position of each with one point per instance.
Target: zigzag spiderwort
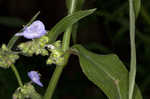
(36, 31)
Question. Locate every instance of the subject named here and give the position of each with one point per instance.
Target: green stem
(17, 75)
(57, 73)
(11, 44)
(66, 38)
(53, 82)
(132, 72)
(67, 34)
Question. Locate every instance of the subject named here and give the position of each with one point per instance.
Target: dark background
(106, 31)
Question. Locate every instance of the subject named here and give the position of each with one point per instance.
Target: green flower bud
(49, 61)
(4, 47)
(43, 41)
(44, 52)
(56, 57)
(57, 44)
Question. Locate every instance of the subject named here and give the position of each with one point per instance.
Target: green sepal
(56, 57)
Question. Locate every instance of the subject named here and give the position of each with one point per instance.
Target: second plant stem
(53, 82)
(17, 75)
(65, 45)
(132, 72)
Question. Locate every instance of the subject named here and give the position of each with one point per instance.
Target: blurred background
(106, 31)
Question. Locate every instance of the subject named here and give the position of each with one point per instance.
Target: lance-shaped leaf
(66, 22)
(107, 72)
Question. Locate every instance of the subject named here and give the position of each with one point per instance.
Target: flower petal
(35, 30)
(34, 76)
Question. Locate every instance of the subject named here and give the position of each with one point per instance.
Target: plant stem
(67, 34)
(53, 82)
(58, 70)
(17, 75)
(132, 72)
(11, 44)
(66, 39)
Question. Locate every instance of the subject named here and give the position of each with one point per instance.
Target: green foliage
(105, 71)
(66, 22)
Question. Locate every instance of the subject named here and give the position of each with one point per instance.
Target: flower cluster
(7, 57)
(57, 54)
(36, 46)
(26, 92)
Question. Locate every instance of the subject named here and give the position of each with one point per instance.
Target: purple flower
(35, 77)
(35, 30)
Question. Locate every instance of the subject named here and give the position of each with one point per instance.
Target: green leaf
(137, 94)
(67, 21)
(107, 72)
(137, 7)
